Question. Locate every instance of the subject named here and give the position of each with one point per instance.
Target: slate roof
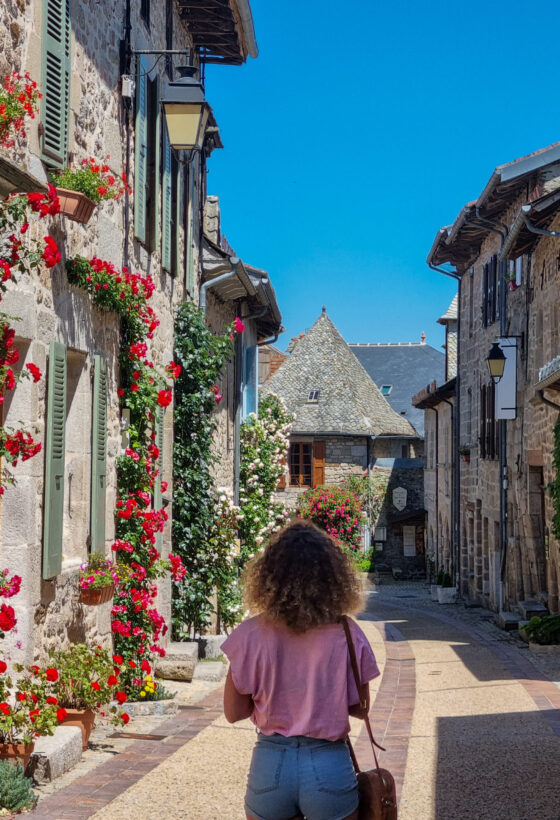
(450, 314)
(349, 403)
(408, 368)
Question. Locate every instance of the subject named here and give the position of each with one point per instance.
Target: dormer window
(386, 389)
(313, 397)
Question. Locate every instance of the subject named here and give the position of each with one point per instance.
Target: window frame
(299, 474)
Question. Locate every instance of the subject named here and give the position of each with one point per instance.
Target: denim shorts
(291, 775)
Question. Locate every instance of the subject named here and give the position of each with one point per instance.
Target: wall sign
(399, 498)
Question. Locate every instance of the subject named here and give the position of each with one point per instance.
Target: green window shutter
(166, 214)
(176, 238)
(99, 455)
(189, 207)
(141, 151)
(156, 136)
(158, 496)
(54, 461)
(55, 72)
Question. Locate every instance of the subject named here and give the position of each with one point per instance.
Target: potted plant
(81, 189)
(544, 633)
(25, 713)
(465, 453)
(436, 585)
(97, 580)
(447, 591)
(80, 682)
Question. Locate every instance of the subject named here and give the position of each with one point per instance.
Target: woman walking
(290, 673)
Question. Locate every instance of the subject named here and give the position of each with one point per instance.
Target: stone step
(179, 662)
(507, 621)
(530, 608)
(179, 650)
(55, 754)
(210, 670)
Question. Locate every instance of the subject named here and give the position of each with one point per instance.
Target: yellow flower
(142, 694)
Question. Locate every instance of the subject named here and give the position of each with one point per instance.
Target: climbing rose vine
(137, 625)
(264, 447)
(204, 528)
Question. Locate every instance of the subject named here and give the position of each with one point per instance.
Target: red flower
(3, 667)
(61, 715)
(125, 718)
(4, 707)
(145, 667)
(112, 680)
(120, 697)
(132, 664)
(52, 674)
(164, 398)
(51, 254)
(95, 685)
(21, 696)
(52, 701)
(34, 370)
(134, 387)
(118, 659)
(7, 618)
(238, 325)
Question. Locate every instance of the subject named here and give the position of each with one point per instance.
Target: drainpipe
(454, 517)
(436, 411)
(217, 281)
(268, 341)
(457, 424)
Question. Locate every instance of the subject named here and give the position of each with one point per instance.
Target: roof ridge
(386, 344)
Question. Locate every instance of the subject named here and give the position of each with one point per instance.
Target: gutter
(204, 288)
(246, 16)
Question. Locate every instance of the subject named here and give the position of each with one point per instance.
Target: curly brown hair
(303, 579)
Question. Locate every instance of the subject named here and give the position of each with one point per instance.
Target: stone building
(78, 54)
(344, 426)
(507, 274)
(437, 403)
(401, 370)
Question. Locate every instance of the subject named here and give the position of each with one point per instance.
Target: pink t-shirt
(301, 684)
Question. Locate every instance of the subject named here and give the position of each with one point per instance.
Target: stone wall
(48, 611)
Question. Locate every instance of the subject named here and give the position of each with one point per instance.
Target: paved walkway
(470, 720)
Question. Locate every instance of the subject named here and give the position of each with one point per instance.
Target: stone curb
(155, 707)
(53, 755)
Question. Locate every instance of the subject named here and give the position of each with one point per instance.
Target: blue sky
(360, 129)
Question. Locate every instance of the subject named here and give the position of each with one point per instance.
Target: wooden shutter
(189, 229)
(54, 461)
(99, 455)
(141, 151)
(482, 434)
(319, 453)
(485, 296)
(177, 206)
(282, 480)
(158, 496)
(491, 290)
(56, 81)
(156, 135)
(167, 211)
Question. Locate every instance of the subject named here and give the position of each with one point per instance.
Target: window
(405, 450)
(145, 11)
(55, 81)
(491, 286)
(409, 540)
(307, 463)
(313, 397)
(515, 270)
(488, 425)
(386, 389)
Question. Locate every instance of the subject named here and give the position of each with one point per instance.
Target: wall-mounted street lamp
(496, 362)
(186, 111)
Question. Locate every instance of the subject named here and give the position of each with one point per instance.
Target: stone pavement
(469, 718)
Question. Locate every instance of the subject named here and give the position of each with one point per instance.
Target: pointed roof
(348, 403)
(450, 314)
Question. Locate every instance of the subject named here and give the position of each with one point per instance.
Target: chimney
(423, 338)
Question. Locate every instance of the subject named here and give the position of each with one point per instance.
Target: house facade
(101, 98)
(343, 427)
(506, 555)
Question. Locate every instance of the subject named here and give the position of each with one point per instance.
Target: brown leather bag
(378, 794)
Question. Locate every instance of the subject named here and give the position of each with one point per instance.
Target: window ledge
(13, 179)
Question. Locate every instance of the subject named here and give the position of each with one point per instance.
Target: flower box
(17, 751)
(446, 595)
(75, 205)
(94, 597)
(84, 720)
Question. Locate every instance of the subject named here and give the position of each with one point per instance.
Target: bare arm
(355, 710)
(236, 706)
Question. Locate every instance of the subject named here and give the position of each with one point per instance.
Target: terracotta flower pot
(75, 205)
(84, 718)
(17, 751)
(94, 597)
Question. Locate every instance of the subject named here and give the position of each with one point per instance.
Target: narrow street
(469, 719)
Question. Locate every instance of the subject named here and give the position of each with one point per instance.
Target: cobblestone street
(468, 715)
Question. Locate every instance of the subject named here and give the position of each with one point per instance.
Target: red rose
(112, 680)
(120, 697)
(3, 667)
(7, 618)
(61, 715)
(132, 664)
(52, 674)
(21, 696)
(35, 372)
(145, 666)
(125, 718)
(117, 659)
(52, 701)
(95, 685)
(164, 398)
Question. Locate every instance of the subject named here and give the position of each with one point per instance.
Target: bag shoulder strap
(363, 702)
